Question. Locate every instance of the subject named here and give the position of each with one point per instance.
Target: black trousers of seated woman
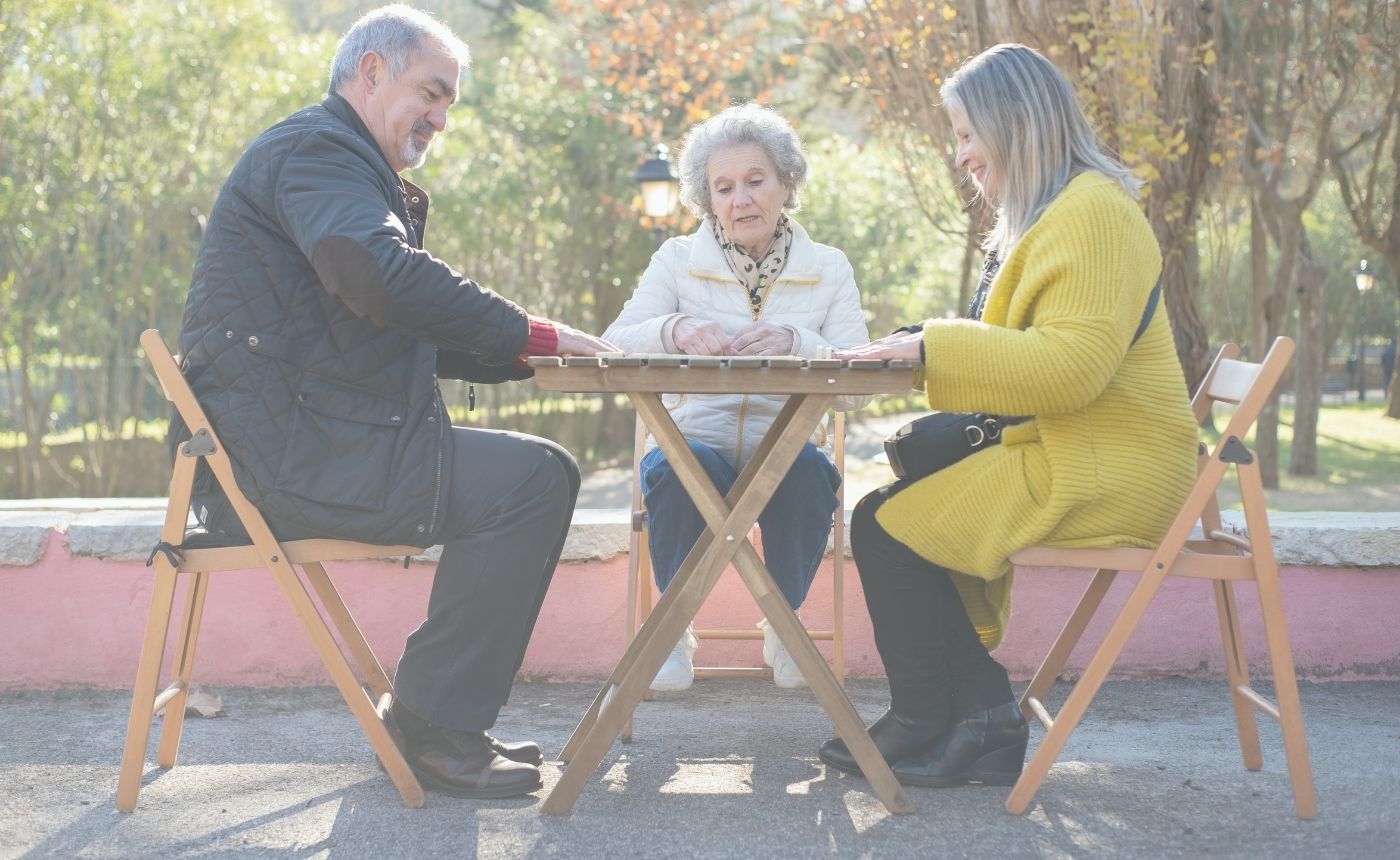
(938, 669)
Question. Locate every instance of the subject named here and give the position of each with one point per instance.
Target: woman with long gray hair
(1065, 330)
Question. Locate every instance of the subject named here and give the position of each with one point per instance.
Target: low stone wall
(74, 592)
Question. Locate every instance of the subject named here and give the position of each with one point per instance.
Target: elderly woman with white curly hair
(748, 281)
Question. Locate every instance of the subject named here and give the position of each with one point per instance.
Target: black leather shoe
(988, 747)
(895, 737)
(525, 752)
(462, 764)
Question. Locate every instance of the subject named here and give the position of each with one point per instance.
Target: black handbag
(937, 441)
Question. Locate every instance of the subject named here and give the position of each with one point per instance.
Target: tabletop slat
(874, 378)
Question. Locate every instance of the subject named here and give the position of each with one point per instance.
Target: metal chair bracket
(1235, 452)
(200, 445)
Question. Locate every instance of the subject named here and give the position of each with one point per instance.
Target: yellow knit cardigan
(1110, 453)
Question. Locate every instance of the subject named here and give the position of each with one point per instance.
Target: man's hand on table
(574, 342)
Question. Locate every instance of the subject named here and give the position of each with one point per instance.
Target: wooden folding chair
(1220, 556)
(265, 551)
(640, 592)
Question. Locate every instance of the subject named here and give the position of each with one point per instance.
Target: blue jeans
(795, 524)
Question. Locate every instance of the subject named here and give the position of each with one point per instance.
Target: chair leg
(1083, 693)
(370, 669)
(1295, 742)
(637, 571)
(143, 694)
(1237, 671)
(644, 596)
(838, 598)
(174, 720)
(1069, 637)
(346, 681)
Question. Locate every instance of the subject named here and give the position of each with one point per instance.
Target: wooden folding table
(810, 386)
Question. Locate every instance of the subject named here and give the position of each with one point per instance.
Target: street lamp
(661, 190)
(1365, 279)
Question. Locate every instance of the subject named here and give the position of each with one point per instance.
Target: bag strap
(1152, 300)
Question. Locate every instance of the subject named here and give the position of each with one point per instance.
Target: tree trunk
(1180, 289)
(1310, 361)
(1392, 396)
(1175, 207)
(1266, 428)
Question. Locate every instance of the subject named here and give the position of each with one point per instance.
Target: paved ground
(727, 769)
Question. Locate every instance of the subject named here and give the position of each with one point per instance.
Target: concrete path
(727, 769)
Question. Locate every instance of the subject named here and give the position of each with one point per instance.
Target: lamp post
(1365, 279)
(661, 190)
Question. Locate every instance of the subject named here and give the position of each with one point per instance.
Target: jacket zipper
(437, 493)
(744, 403)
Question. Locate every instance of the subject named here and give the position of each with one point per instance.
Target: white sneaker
(678, 672)
(775, 654)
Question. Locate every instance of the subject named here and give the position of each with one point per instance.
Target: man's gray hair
(737, 125)
(1024, 111)
(394, 33)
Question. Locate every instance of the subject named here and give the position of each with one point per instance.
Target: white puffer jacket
(815, 296)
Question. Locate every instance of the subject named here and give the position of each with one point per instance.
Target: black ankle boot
(459, 763)
(987, 747)
(895, 737)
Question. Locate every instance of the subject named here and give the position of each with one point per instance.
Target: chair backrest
(203, 444)
(1247, 386)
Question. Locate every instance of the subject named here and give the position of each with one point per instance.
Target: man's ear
(372, 69)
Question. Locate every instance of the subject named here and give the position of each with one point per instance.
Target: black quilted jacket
(313, 334)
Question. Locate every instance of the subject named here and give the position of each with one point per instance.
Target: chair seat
(298, 552)
(1103, 558)
(1200, 559)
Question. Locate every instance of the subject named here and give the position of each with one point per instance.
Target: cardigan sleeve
(1060, 316)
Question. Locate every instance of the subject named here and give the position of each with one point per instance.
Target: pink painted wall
(79, 621)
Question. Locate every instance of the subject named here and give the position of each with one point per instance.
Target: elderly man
(314, 333)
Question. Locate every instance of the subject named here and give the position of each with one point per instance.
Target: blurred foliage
(121, 120)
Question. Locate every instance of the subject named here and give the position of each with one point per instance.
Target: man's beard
(415, 149)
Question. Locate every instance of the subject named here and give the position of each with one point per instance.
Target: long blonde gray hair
(1024, 111)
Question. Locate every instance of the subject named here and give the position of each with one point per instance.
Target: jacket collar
(707, 260)
(343, 111)
(415, 199)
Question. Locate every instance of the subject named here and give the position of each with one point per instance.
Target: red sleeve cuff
(542, 340)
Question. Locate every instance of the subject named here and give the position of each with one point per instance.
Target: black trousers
(510, 503)
(937, 667)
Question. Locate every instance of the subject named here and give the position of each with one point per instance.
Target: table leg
(729, 534)
(848, 724)
(763, 471)
(695, 480)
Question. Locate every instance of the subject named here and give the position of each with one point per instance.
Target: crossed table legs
(729, 520)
